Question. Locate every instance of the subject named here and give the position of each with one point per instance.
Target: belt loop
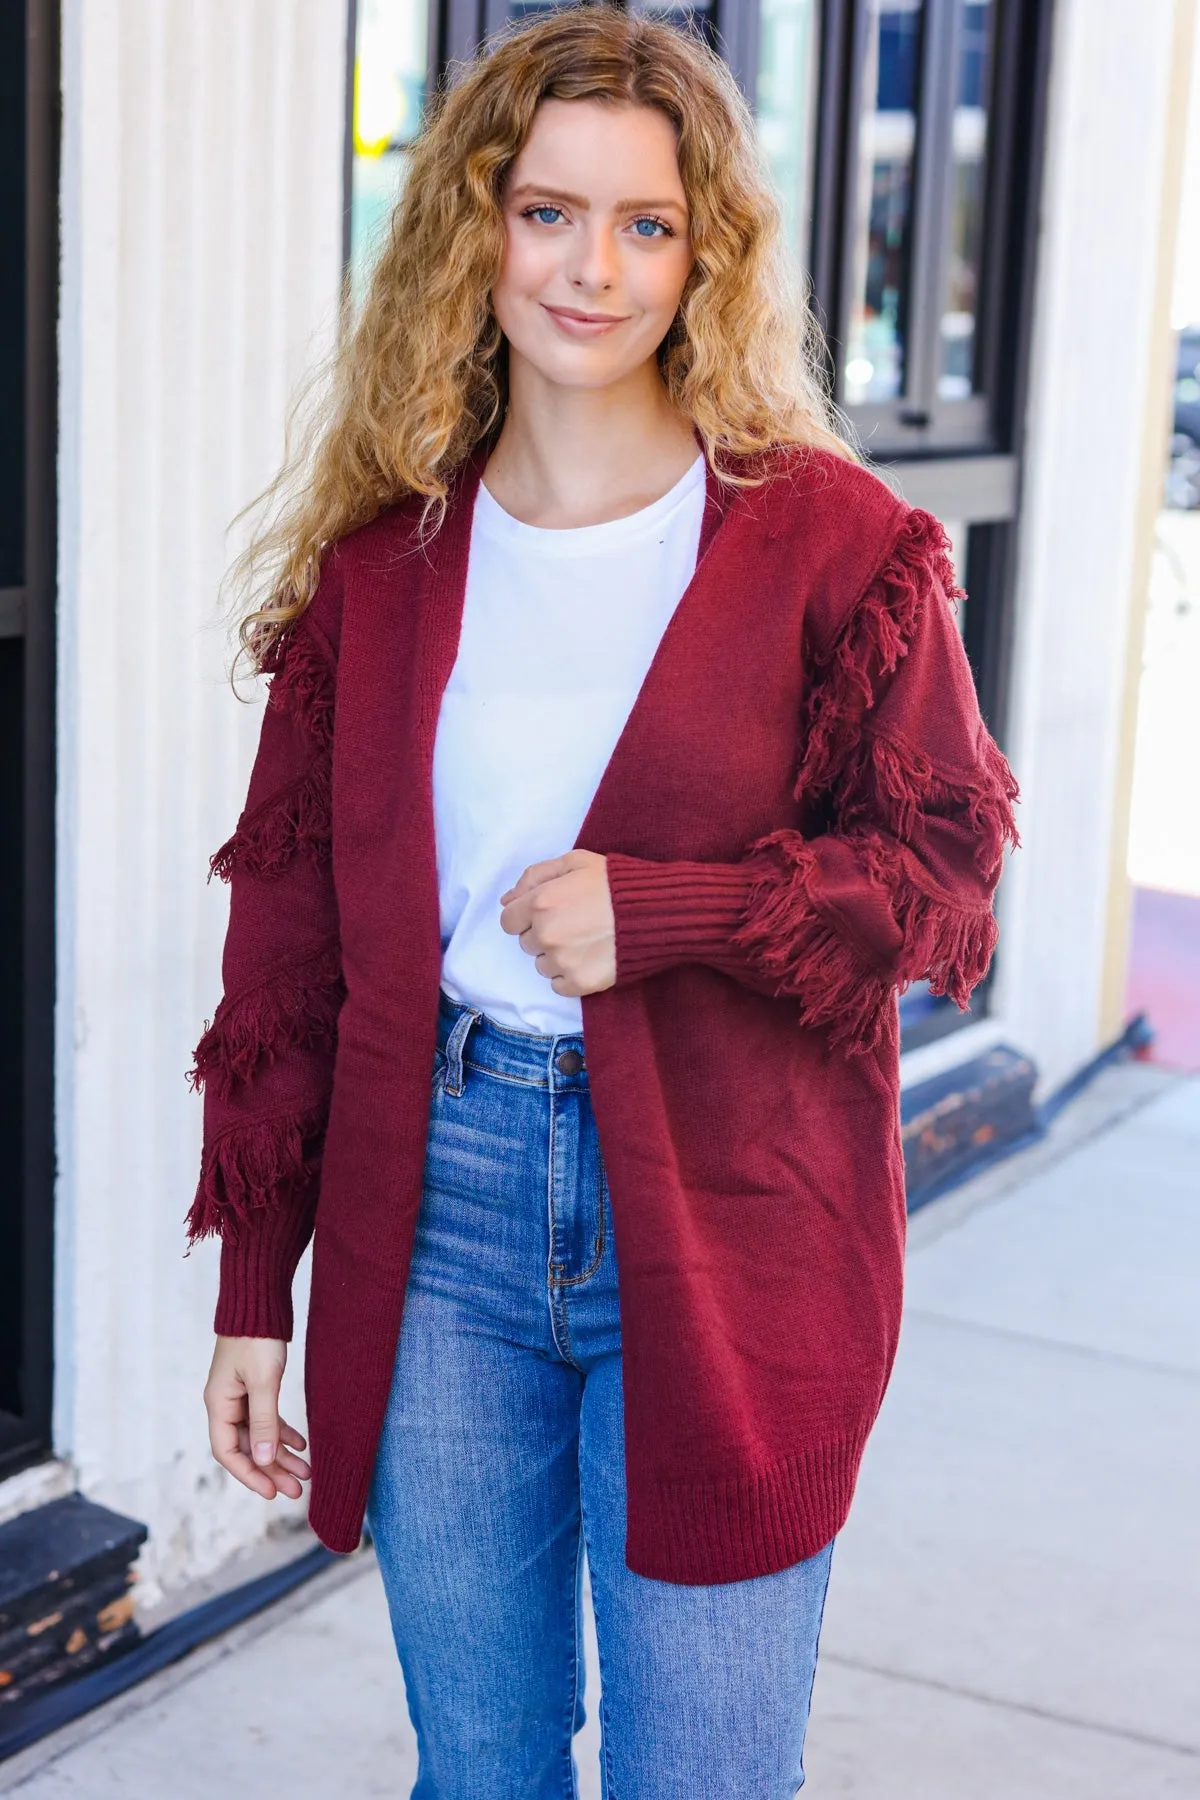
(455, 1044)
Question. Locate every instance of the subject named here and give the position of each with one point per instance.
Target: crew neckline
(571, 540)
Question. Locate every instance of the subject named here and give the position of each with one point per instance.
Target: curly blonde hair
(419, 378)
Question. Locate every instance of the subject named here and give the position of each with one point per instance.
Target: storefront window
(391, 61)
(696, 15)
(956, 376)
(528, 9)
(887, 148)
(786, 105)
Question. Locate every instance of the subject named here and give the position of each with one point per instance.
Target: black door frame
(28, 614)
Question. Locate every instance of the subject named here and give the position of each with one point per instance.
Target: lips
(586, 318)
(573, 316)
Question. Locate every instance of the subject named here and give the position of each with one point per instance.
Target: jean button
(569, 1062)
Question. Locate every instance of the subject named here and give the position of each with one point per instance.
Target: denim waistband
(470, 1038)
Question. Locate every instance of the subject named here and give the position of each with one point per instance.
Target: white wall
(201, 221)
(1185, 305)
(1095, 299)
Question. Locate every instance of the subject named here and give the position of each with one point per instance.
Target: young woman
(620, 762)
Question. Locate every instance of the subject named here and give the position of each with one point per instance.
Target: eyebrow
(581, 200)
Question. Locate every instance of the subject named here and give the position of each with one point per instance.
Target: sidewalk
(1015, 1605)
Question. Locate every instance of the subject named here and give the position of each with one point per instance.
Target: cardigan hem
(336, 1514)
(704, 1532)
(691, 1534)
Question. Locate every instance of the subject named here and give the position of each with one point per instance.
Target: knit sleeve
(907, 803)
(265, 1061)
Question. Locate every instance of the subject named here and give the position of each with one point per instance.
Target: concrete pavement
(1015, 1604)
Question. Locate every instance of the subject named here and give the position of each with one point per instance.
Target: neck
(579, 456)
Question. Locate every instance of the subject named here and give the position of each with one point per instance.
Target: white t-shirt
(559, 629)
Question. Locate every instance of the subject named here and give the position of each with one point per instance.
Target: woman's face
(597, 250)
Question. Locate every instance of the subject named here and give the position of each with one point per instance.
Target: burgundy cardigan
(803, 813)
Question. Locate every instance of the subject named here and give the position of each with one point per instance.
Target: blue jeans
(501, 1458)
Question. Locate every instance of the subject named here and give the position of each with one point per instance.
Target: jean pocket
(437, 1079)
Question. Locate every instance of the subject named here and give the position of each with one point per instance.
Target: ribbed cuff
(674, 912)
(255, 1294)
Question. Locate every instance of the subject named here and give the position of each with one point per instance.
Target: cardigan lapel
(618, 786)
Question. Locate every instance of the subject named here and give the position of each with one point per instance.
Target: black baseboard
(956, 1124)
(42, 1713)
(66, 1570)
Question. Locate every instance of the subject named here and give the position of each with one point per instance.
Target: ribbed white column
(202, 218)
(1095, 296)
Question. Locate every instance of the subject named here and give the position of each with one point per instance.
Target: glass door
(390, 77)
(915, 201)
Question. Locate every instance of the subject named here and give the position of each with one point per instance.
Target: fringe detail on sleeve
(951, 948)
(299, 818)
(870, 645)
(257, 1164)
(790, 942)
(302, 682)
(839, 990)
(892, 784)
(295, 1005)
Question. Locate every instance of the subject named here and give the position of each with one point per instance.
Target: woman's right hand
(246, 1433)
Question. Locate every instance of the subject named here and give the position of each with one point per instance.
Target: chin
(586, 380)
(580, 371)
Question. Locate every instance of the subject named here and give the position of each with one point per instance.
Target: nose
(594, 259)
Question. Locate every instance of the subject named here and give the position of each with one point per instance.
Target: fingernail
(262, 1452)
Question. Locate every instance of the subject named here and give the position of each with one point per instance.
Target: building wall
(201, 234)
(1095, 311)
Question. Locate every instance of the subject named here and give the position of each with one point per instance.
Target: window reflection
(689, 15)
(887, 143)
(529, 9)
(785, 105)
(956, 376)
(390, 64)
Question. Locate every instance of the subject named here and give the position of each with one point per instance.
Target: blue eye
(645, 227)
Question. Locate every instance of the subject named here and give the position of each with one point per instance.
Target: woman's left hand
(562, 912)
